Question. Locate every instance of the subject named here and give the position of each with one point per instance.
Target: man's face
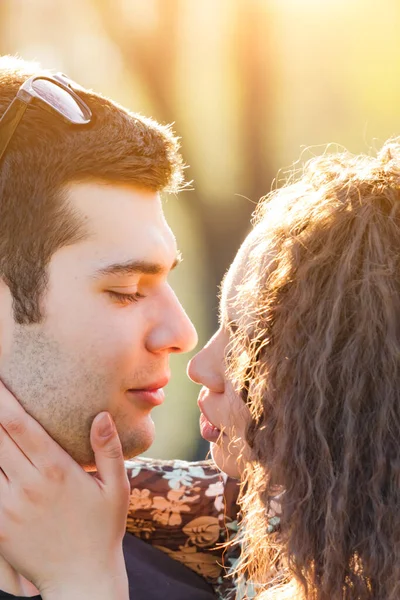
(110, 322)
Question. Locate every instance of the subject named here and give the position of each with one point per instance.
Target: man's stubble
(64, 391)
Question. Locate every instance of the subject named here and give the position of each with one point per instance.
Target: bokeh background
(248, 84)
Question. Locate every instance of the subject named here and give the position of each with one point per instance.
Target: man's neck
(14, 583)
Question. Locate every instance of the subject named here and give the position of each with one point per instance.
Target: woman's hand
(61, 527)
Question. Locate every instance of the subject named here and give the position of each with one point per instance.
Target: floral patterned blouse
(189, 511)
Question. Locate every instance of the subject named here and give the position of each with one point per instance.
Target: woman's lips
(208, 431)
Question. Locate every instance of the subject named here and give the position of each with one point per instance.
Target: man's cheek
(118, 354)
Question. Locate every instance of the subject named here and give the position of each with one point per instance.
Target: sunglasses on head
(53, 93)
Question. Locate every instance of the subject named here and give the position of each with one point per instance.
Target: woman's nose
(193, 370)
(207, 369)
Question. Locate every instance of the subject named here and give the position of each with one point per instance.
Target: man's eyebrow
(136, 267)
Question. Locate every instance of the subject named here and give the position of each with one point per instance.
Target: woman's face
(224, 415)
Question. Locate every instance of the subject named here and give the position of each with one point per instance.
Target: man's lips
(151, 394)
(151, 387)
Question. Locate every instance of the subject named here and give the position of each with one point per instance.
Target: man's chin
(129, 449)
(138, 441)
(133, 443)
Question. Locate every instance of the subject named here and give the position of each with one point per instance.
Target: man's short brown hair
(44, 155)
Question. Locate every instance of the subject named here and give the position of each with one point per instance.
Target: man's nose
(174, 332)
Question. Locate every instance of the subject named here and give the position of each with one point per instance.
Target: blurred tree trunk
(150, 54)
(4, 7)
(254, 60)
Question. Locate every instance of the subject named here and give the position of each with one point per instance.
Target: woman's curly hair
(320, 309)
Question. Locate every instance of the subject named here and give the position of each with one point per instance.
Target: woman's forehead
(234, 277)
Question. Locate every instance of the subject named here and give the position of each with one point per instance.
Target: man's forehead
(108, 206)
(124, 224)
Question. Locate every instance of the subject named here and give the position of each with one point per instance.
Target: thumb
(107, 450)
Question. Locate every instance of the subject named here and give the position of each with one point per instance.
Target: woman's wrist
(109, 583)
(111, 589)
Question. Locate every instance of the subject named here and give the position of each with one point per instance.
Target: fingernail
(105, 426)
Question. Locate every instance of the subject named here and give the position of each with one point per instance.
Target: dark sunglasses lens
(60, 100)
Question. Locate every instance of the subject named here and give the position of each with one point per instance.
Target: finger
(108, 453)
(13, 462)
(26, 432)
(3, 480)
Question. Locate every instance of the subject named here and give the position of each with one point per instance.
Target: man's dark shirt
(153, 575)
